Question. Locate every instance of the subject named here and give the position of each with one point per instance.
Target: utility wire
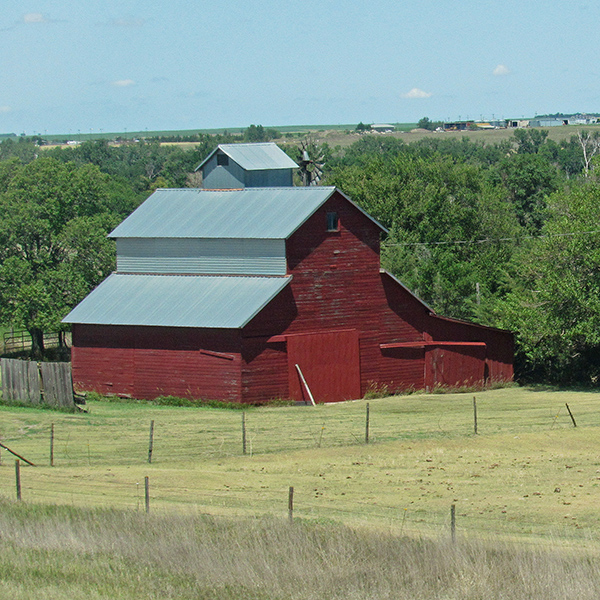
(491, 240)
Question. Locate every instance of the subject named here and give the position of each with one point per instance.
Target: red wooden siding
(499, 344)
(264, 370)
(146, 362)
(454, 366)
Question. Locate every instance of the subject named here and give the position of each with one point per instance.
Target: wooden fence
(34, 383)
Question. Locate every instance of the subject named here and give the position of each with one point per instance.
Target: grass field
(528, 474)
(371, 521)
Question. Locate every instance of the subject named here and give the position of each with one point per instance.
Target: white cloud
(501, 70)
(123, 82)
(5, 109)
(417, 93)
(34, 18)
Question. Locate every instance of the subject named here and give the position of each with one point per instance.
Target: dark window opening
(333, 221)
(222, 160)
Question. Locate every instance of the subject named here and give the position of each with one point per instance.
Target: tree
(426, 123)
(528, 179)
(437, 210)
(554, 302)
(53, 246)
(257, 133)
(529, 141)
(590, 146)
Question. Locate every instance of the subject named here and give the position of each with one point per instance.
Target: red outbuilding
(247, 295)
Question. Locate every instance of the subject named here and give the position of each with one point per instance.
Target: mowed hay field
(528, 474)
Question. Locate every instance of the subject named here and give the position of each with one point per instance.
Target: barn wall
(454, 366)
(217, 177)
(337, 285)
(499, 344)
(269, 178)
(146, 362)
(201, 256)
(334, 275)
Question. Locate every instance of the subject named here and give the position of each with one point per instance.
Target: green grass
(528, 474)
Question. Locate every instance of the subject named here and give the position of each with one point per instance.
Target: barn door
(330, 363)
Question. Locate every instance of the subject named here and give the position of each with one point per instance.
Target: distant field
(335, 135)
(346, 137)
(528, 474)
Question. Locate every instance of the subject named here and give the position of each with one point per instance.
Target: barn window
(333, 221)
(222, 160)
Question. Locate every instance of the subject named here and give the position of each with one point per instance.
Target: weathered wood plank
(57, 384)
(20, 381)
(33, 382)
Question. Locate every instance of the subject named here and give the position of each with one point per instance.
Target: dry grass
(71, 553)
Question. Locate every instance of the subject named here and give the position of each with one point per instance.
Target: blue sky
(102, 65)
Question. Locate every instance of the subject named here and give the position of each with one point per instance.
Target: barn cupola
(238, 166)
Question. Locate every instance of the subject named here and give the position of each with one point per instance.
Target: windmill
(310, 162)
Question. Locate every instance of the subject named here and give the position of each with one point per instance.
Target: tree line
(503, 234)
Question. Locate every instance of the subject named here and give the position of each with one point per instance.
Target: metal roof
(177, 300)
(252, 213)
(255, 157)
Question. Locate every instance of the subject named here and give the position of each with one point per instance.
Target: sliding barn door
(330, 363)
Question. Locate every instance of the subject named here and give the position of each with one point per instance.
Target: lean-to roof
(177, 300)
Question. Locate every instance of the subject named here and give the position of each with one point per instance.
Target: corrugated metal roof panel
(255, 157)
(258, 213)
(176, 300)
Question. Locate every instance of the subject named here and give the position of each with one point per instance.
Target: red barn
(237, 294)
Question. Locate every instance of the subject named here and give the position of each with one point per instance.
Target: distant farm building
(232, 166)
(382, 128)
(582, 120)
(458, 126)
(547, 122)
(255, 293)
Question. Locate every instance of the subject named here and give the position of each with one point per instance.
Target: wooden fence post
(52, 445)
(18, 477)
(291, 504)
(147, 492)
(151, 441)
(475, 414)
(243, 432)
(453, 523)
(367, 426)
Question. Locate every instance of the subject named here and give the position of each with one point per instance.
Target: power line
(492, 240)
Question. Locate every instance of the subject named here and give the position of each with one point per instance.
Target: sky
(69, 66)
